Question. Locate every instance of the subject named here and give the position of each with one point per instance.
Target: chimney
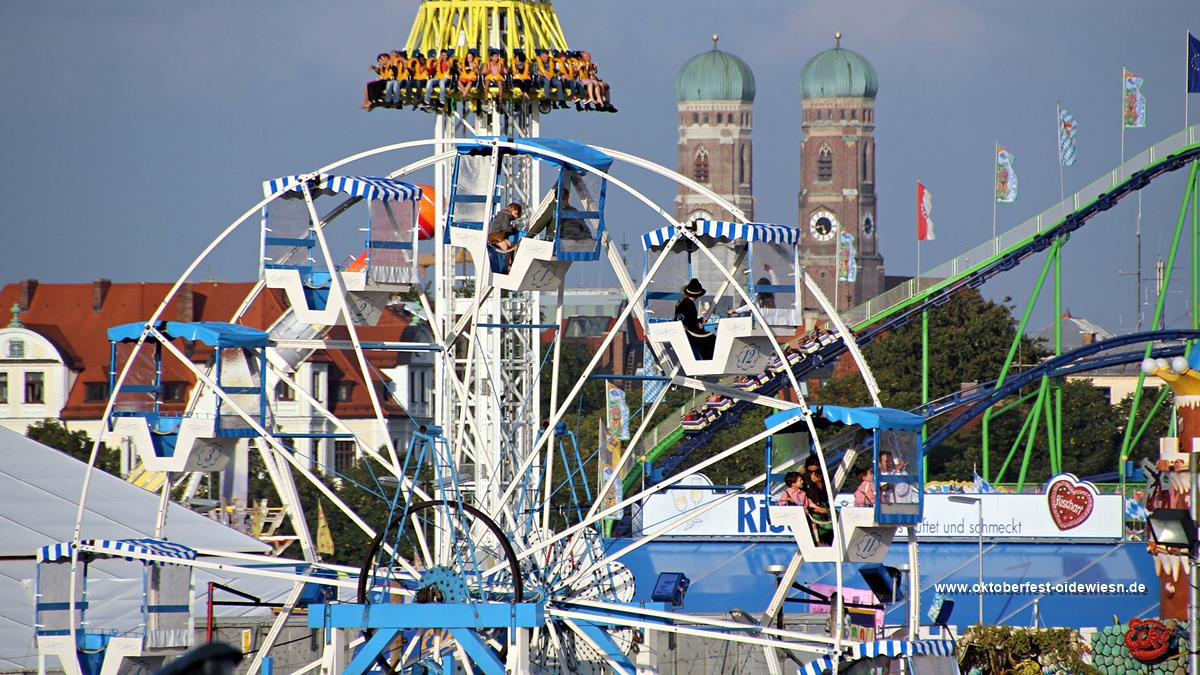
(185, 303)
(28, 287)
(99, 293)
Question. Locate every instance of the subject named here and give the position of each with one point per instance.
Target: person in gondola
(702, 341)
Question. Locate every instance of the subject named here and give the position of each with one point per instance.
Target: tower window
(853, 114)
(700, 166)
(695, 118)
(744, 165)
(825, 165)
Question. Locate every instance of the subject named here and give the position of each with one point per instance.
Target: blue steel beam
(477, 615)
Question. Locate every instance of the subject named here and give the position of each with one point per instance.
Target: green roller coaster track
(926, 285)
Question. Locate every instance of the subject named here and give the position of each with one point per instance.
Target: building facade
(54, 363)
(837, 204)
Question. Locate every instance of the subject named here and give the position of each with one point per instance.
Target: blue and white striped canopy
(126, 548)
(884, 648)
(368, 187)
(721, 230)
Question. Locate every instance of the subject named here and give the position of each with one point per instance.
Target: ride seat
(865, 540)
(742, 348)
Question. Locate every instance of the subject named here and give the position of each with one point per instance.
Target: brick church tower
(715, 94)
(837, 176)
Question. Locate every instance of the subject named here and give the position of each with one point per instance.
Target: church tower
(837, 176)
(715, 95)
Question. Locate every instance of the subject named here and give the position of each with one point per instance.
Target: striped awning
(884, 648)
(372, 188)
(129, 549)
(711, 231)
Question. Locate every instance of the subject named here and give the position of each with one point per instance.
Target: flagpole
(995, 154)
(1187, 71)
(1058, 141)
(917, 274)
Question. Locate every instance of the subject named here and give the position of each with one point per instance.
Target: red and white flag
(924, 208)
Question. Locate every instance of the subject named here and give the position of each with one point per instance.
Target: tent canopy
(866, 417)
(714, 231)
(537, 147)
(211, 333)
(371, 188)
(126, 548)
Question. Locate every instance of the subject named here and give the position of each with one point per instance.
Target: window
(174, 392)
(700, 166)
(695, 118)
(35, 390)
(744, 164)
(853, 114)
(95, 392)
(866, 162)
(343, 391)
(825, 165)
(284, 391)
(706, 118)
(3, 387)
(343, 455)
(16, 349)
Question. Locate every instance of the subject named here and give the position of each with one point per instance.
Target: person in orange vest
(399, 82)
(418, 77)
(494, 73)
(547, 78)
(566, 75)
(468, 74)
(520, 73)
(575, 63)
(439, 75)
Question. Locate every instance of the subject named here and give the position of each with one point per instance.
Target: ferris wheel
(493, 555)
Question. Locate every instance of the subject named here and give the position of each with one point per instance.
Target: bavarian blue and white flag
(1066, 137)
(1133, 106)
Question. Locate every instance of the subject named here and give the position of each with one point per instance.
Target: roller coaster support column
(1188, 195)
(1012, 349)
(1054, 425)
(924, 382)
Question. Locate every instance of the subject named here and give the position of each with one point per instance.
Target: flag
(983, 487)
(618, 411)
(1193, 64)
(324, 535)
(1134, 104)
(924, 208)
(1066, 137)
(651, 389)
(847, 270)
(1006, 177)
(607, 456)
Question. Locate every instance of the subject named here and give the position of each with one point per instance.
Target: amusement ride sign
(1066, 509)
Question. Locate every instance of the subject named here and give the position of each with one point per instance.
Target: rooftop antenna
(715, 37)
(837, 39)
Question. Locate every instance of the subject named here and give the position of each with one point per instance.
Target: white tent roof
(41, 494)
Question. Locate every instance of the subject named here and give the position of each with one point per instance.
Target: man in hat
(702, 341)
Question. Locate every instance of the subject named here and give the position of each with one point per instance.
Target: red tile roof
(75, 317)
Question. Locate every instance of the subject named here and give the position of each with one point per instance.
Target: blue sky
(133, 131)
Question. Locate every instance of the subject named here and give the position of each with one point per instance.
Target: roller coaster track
(896, 307)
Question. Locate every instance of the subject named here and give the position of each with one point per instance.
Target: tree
(78, 444)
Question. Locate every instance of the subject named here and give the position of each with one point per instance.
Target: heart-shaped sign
(1070, 502)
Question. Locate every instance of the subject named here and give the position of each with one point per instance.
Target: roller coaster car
(567, 225)
(694, 420)
(863, 533)
(741, 348)
(188, 440)
(293, 261)
(718, 403)
(750, 383)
